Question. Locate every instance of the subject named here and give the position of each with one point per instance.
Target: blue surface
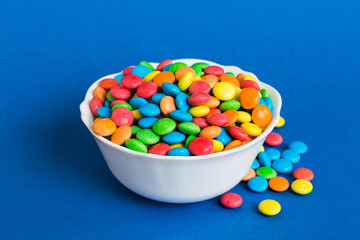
(54, 181)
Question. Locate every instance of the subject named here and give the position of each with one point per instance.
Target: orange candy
(240, 77)
(100, 94)
(249, 98)
(104, 127)
(213, 102)
(250, 174)
(230, 79)
(210, 132)
(210, 79)
(167, 105)
(232, 115)
(164, 77)
(233, 144)
(121, 134)
(181, 72)
(108, 83)
(278, 184)
(261, 115)
(212, 111)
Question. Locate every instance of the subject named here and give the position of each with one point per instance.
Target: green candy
(266, 172)
(145, 63)
(264, 93)
(164, 126)
(109, 97)
(135, 130)
(136, 145)
(147, 136)
(230, 73)
(188, 140)
(175, 66)
(201, 65)
(189, 128)
(125, 105)
(230, 105)
(197, 70)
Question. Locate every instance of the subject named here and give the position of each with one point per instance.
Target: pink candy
(120, 92)
(122, 116)
(214, 70)
(131, 81)
(231, 200)
(199, 98)
(273, 139)
(249, 84)
(218, 119)
(201, 122)
(94, 105)
(238, 133)
(147, 89)
(199, 87)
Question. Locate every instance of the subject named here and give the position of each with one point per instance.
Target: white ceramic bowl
(175, 179)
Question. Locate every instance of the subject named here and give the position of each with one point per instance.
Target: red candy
(163, 64)
(108, 83)
(127, 70)
(201, 122)
(113, 103)
(231, 200)
(94, 105)
(119, 92)
(218, 119)
(159, 149)
(249, 84)
(214, 70)
(273, 139)
(201, 146)
(147, 89)
(212, 111)
(131, 81)
(238, 133)
(303, 173)
(199, 87)
(122, 116)
(199, 98)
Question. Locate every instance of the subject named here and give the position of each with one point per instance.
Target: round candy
(224, 137)
(175, 66)
(266, 172)
(229, 105)
(199, 111)
(189, 128)
(173, 137)
(163, 64)
(121, 134)
(243, 117)
(258, 184)
(261, 115)
(217, 119)
(238, 133)
(273, 153)
(159, 149)
(231, 200)
(250, 84)
(210, 132)
(233, 144)
(164, 126)
(301, 186)
(268, 102)
(230, 79)
(218, 146)
(137, 102)
(113, 103)
(127, 70)
(181, 101)
(269, 207)
(265, 159)
(150, 77)
(170, 89)
(181, 116)
(179, 151)
(147, 122)
(299, 147)
(199, 87)
(164, 77)
(303, 173)
(120, 92)
(156, 98)
(104, 127)
(273, 139)
(185, 81)
(167, 105)
(249, 98)
(108, 83)
(100, 94)
(279, 184)
(264, 93)
(136, 145)
(140, 70)
(184, 70)
(149, 110)
(280, 123)
(251, 129)
(213, 102)
(250, 174)
(201, 65)
(146, 90)
(188, 140)
(134, 130)
(224, 91)
(201, 122)
(125, 105)
(147, 136)
(145, 63)
(131, 81)
(104, 112)
(290, 155)
(282, 165)
(232, 115)
(255, 164)
(210, 79)
(122, 116)
(201, 146)
(95, 103)
(214, 70)
(198, 98)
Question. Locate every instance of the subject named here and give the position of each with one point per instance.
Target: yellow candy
(224, 91)
(137, 115)
(248, 77)
(269, 207)
(243, 117)
(251, 129)
(177, 145)
(262, 149)
(237, 94)
(197, 78)
(301, 186)
(280, 123)
(151, 76)
(199, 111)
(218, 146)
(185, 81)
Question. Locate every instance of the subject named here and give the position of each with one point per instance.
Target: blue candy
(181, 116)
(170, 89)
(173, 137)
(291, 156)
(166, 68)
(181, 101)
(224, 137)
(107, 104)
(268, 102)
(179, 151)
(258, 184)
(299, 147)
(119, 77)
(149, 110)
(141, 70)
(273, 153)
(264, 159)
(147, 122)
(255, 164)
(104, 112)
(282, 165)
(262, 102)
(136, 102)
(156, 98)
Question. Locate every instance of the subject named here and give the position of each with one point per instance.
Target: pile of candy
(180, 110)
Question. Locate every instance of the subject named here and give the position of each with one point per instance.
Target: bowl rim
(84, 107)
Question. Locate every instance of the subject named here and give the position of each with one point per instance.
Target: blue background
(54, 181)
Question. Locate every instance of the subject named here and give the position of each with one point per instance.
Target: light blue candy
(173, 137)
(255, 164)
(170, 89)
(166, 68)
(107, 104)
(136, 102)
(268, 102)
(181, 101)
(258, 184)
(282, 165)
(149, 110)
(298, 146)
(181, 116)
(179, 151)
(147, 122)
(156, 98)
(273, 153)
(141, 70)
(104, 112)
(224, 137)
(119, 77)
(291, 156)
(262, 102)
(264, 159)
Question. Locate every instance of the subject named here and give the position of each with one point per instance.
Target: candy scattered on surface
(231, 200)
(301, 186)
(303, 173)
(269, 207)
